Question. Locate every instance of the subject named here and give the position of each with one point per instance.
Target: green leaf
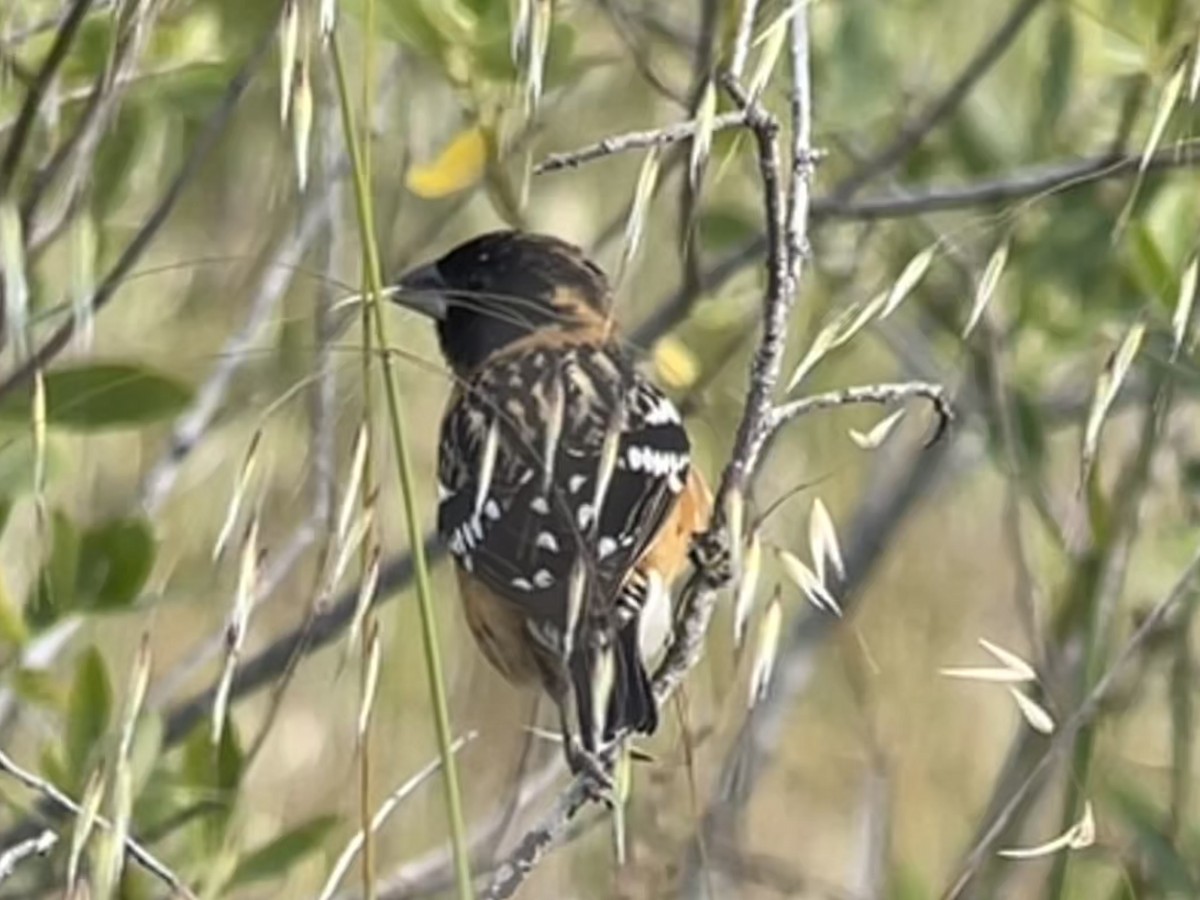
(96, 396)
(12, 625)
(278, 856)
(145, 751)
(54, 592)
(214, 773)
(89, 711)
(114, 562)
(1149, 267)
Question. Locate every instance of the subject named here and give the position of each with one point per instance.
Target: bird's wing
(614, 443)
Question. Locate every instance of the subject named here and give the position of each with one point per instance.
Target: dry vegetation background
(962, 126)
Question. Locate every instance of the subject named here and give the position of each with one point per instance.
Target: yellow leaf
(675, 363)
(457, 167)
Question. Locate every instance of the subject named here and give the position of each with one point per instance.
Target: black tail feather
(631, 706)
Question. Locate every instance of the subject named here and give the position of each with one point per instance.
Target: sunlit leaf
(487, 466)
(460, 165)
(909, 278)
(769, 631)
(85, 821)
(1183, 306)
(820, 346)
(1162, 115)
(822, 541)
(873, 439)
(1036, 715)
(747, 587)
(773, 39)
(639, 209)
(237, 500)
(706, 113)
(993, 674)
(88, 714)
(802, 576)
(327, 18)
(674, 363)
(987, 286)
(1078, 837)
(603, 681)
(302, 121)
(1108, 385)
(1009, 659)
(289, 38)
(1194, 85)
(370, 682)
(857, 317)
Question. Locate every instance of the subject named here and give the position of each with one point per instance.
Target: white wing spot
(605, 547)
(584, 516)
(491, 509)
(575, 482)
(540, 506)
(662, 412)
(542, 578)
(547, 541)
(521, 584)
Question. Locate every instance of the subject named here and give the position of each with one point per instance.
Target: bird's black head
(500, 287)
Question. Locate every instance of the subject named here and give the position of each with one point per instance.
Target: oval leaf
(114, 562)
(97, 396)
(88, 712)
(457, 167)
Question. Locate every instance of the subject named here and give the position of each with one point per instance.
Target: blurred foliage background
(222, 364)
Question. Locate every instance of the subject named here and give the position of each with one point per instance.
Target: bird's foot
(713, 558)
(595, 771)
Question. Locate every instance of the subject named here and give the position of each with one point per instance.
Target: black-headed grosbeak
(566, 492)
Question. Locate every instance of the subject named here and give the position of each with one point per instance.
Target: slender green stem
(437, 688)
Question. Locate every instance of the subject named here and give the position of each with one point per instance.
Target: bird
(567, 496)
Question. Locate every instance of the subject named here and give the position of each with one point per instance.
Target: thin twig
(35, 846)
(884, 394)
(1033, 181)
(536, 843)
(133, 849)
(634, 140)
(433, 872)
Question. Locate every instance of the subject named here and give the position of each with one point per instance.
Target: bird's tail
(631, 705)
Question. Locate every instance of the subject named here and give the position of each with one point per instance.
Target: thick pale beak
(423, 290)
